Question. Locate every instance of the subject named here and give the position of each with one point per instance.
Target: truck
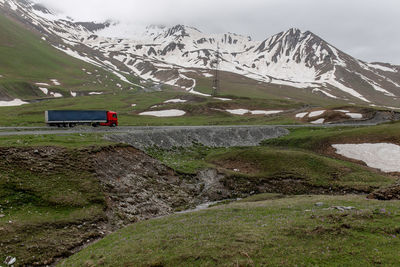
(72, 118)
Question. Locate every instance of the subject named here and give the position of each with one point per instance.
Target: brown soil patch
(390, 193)
(137, 186)
(334, 116)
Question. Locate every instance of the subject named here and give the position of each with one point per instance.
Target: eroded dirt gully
(136, 187)
(139, 187)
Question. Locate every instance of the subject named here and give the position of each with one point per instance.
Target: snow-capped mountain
(169, 54)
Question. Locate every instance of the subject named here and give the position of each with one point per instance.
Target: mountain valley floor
(301, 203)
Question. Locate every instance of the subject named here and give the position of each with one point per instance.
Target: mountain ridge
(166, 55)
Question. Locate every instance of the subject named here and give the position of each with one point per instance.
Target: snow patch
(390, 107)
(301, 85)
(383, 156)
(55, 82)
(74, 54)
(316, 113)
(350, 114)
(175, 101)
(12, 103)
(319, 121)
(325, 93)
(223, 99)
(301, 115)
(238, 111)
(253, 112)
(192, 91)
(380, 67)
(164, 113)
(12, 5)
(376, 86)
(44, 90)
(42, 84)
(331, 79)
(57, 95)
(354, 115)
(265, 112)
(96, 93)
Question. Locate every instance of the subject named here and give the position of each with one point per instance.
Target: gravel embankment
(209, 136)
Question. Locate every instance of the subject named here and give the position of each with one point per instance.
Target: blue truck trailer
(71, 118)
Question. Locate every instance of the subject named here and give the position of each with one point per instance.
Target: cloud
(366, 29)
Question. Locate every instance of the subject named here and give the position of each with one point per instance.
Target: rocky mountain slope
(178, 55)
(30, 68)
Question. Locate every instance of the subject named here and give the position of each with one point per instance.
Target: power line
(216, 85)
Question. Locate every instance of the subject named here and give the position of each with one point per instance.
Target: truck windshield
(114, 116)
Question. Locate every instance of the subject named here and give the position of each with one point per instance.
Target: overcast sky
(366, 29)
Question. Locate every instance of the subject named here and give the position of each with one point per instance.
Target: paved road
(7, 131)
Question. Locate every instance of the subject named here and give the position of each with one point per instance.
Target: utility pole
(215, 87)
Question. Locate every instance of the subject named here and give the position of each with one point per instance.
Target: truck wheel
(113, 125)
(95, 125)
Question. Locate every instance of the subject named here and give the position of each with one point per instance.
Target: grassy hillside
(289, 231)
(48, 205)
(26, 59)
(280, 164)
(289, 171)
(320, 140)
(52, 202)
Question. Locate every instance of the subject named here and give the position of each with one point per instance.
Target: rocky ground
(389, 193)
(208, 136)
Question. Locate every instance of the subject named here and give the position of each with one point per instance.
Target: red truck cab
(112, 119)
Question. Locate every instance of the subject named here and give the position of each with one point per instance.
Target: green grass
(63, 140)
(263, 164)
(261, 197)
(249, 167)
(184, 160)
(319, 139)
(53, 202)
(201, 111)
(49, 200)
(284, 232)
